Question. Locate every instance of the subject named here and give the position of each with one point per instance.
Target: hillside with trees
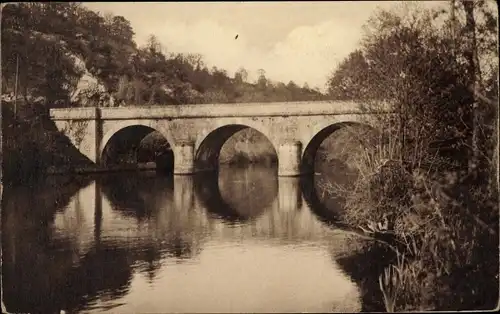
(67, 54)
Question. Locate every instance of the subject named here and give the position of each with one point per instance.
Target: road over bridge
(197, 133)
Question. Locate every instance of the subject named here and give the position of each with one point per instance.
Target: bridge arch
(313, 145)
(210, 143)
(129, 135)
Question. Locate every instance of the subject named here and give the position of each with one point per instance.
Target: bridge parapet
(238, 110)
(284, 109)
(87, 113)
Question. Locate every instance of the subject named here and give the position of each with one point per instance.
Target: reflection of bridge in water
(274, 210)
(120, 226)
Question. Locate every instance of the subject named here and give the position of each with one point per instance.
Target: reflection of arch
(324, 214)
(165, 204)
(134, 195)
(210, 145)
(130, 136)
(309, 155)
(207, 189)
(329, 215)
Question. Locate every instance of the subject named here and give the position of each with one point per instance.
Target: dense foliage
(54, 45)
(426, 182)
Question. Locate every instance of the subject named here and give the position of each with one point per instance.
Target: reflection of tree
(43, 269)
(33, 262)
(364, 264)
(152, 257)
(43, 272)
(180, 247)
(103, 271)
(48, 196)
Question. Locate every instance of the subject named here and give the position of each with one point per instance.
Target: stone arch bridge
(197, 133)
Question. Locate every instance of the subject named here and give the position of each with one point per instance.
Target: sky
(299, 41)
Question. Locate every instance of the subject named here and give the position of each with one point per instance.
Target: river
(244, 240)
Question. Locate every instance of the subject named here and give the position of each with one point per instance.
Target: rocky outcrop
(89, 90)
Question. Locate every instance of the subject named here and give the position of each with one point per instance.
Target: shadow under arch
(209, 150)
(126, 146)
(208, 192)
(310, 151)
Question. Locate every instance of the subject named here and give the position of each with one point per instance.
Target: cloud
(300, 41)
(306, 54)
(309, 53)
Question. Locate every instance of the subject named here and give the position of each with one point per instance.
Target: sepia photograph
(249, 157)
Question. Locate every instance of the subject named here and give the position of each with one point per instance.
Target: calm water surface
(242, 241)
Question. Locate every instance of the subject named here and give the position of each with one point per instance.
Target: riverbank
(31, 145)
(440, 233)
(89, 169)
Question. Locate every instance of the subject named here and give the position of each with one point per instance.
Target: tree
(45, 69)
(153, 44)
(407, 62)
(351, 72)
(241, 76)
(262, 80)
(73, 39)
(121, 30)
(470, 52)
(195, 60)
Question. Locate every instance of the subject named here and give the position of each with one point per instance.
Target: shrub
(437, 222)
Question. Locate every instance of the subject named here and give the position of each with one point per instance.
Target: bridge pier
(289, 194)
(184, 157)
(183, 193)
(289, 157)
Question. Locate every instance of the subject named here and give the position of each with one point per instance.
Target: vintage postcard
(245, 157)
